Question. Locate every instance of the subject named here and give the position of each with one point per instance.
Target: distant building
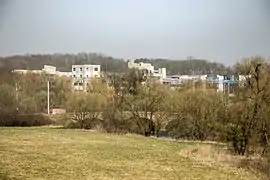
(85, 71)
(222, 82)
(47, 69)
(65, 74)
(171, 81)
(20, 71)
(179, 79)
(80, 74)
(148, 68)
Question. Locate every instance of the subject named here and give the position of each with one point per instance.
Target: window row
(87, 69)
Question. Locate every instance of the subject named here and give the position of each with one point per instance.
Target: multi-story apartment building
(81, 74)
(85, 71)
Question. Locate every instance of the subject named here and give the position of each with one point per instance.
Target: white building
(47, 69)
(66, 74)
(20, 71)
(141, 66)
(85, 71)
(81, 74)
(220, 83)
(150, 69)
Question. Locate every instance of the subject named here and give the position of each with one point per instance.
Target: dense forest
(109, 64)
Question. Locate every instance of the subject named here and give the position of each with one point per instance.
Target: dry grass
(209, 154)
(50, 153)
(218, 155)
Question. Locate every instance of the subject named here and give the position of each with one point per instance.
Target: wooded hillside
(64, 62)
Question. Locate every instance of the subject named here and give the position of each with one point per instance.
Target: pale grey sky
(218, 30)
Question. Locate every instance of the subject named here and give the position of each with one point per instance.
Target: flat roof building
(85, 71)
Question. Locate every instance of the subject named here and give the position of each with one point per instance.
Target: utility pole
(17, 96)
(189, 61)
(48, 97)
(191, 72)
(16, 88)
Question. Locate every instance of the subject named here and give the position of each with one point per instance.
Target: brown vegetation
(121, 103)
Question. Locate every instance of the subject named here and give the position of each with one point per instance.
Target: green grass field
(50, 153)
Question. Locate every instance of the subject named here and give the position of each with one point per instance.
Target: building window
(87, 69)
(80, 69)
(95, 69)
(86, 75)
(73, 69)
(74, 76)
(80, 75)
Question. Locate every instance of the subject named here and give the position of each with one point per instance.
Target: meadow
(55, 153)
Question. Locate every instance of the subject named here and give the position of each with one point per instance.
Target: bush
(120, 126)
(24, 120)
(60, 119)
(70, 124)
(85, 124)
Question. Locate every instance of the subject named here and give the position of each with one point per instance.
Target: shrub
(85, 124)
(25, 120)
(70, 124)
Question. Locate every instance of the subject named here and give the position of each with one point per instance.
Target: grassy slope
(47, 153)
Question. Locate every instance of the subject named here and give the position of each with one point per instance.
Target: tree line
(132, 103)
(63, 62)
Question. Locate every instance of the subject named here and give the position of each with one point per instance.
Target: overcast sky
(218, 30)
